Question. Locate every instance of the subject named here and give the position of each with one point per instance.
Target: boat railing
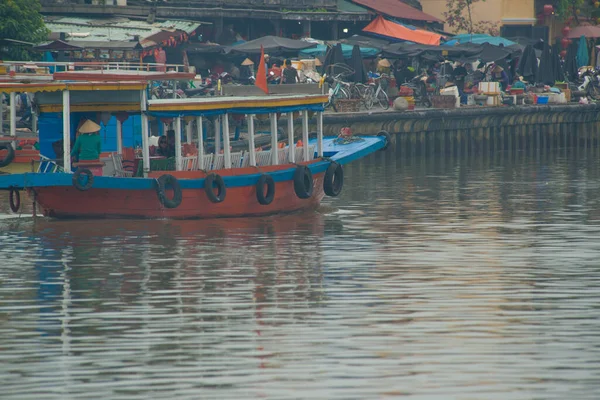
(48, 67)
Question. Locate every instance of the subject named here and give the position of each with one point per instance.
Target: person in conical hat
(247, 61)
(88, 145)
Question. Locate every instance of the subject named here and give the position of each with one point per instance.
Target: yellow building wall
(502, 12)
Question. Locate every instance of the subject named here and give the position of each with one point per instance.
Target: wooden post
(251, 145)
(66, 128)
(320, 134)
(274, 150)
(1, 114)
(188, 131)
(226, 149)
(145, 141)
(13, 117)
(178, 144)
(292, 144)
(305, 135)
(217, 134)
(200, 142)
(119, 137)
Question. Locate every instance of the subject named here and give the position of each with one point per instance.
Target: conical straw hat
(318, 62)
(89, 126)
(247, 61)
(384, 63)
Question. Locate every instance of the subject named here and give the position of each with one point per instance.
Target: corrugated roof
(397, 9)
(347, 6)
(114, 29)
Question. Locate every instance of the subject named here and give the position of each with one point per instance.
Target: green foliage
(21, 20)
(458, 16)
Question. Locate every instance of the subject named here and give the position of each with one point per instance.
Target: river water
(428, 278)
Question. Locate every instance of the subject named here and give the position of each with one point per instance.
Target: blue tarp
(583, 58)
(479, 38)
(321, 49)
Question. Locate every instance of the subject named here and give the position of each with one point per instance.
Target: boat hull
(68, 202)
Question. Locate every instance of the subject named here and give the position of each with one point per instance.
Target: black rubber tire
(161, 190)
(333, 182)
(209, 184)
(90, 179)
(9, 157)
(388, 139)
(262, 197)
(15, 204)
(303, 182)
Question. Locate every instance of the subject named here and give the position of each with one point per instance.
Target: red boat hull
(68, 202)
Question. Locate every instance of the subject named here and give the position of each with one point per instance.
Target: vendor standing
(88, 144)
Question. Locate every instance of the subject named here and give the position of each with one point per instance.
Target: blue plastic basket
(542, 100)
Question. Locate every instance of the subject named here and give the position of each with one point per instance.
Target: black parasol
(356, 63)
(528, 64)
(272, 45)
(546, 70)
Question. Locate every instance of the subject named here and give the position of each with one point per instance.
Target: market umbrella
(334, 56)
(546, 72)
(271, 44)
(571, 70)
(528, 64)
(356, 63)
(583, 57)
(556, 66)
(591, 31)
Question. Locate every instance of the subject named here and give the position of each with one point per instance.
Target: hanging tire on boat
(303, 182)
(262, 197)
(10, 154)
(77, 179)
(215, 181)
(333, 182)
(165, 182)
(388, 139)
(14, 199)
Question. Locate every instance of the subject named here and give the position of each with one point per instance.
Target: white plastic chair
(283, 155)
(189, 163)
(236, 159)
(218, 162)
(207, 162)
(118, 164)
(263, 158)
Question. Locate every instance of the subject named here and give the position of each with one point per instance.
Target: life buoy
(262, 197)
(333, 182)
(164, 182)
(303, 182)
(9, 156)
(211, 182)
(14, 199)
(77, 181)
(388, 139)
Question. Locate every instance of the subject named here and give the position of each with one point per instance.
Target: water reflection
(430, 277)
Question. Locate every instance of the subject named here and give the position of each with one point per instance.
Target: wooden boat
(221, 183)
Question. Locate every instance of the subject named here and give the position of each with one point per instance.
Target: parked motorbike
(590, 84)
(419, 88)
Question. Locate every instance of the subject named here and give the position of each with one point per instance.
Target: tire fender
(262, 197)
(303, 182)
(388, 139)
(215, 181)
(9, 157)
(162, 183)
(77, 179)
(333, 182)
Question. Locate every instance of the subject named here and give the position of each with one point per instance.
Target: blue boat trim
(341, 153)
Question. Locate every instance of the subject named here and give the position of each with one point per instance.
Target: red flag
(261, 74)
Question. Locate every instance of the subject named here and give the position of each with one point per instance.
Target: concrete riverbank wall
(552, 119)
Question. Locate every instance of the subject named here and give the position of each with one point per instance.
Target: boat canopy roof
(169, 108)
(9, 87)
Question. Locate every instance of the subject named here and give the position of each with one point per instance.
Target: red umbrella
(589, 31)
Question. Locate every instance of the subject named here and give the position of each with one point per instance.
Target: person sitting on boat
(88, 144)
(290, 74)
(163, 147)
(170, 143)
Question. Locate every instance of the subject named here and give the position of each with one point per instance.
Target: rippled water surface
(428, 278)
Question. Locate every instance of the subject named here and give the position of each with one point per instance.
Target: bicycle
(340, 90)
(375, 93)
